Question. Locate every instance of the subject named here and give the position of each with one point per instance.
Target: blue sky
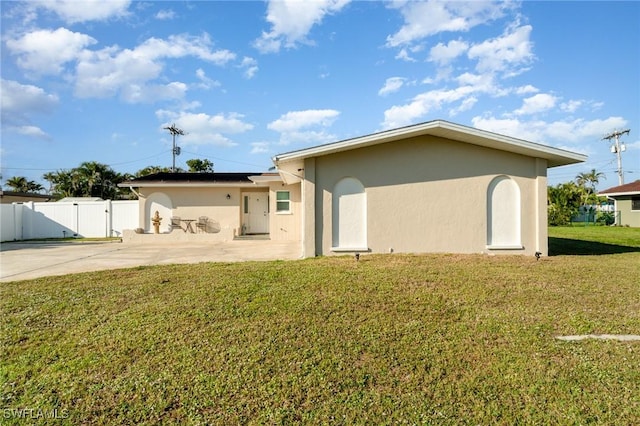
(98, 81)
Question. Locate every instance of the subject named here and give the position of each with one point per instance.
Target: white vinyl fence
(88, 219)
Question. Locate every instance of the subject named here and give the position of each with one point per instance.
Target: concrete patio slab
(26, 260)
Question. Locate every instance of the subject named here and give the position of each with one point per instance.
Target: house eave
(555, 157)
(620, 194)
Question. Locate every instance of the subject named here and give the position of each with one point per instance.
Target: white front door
(256, 213)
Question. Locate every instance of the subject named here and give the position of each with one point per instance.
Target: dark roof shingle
(627, 187)
(165, 177)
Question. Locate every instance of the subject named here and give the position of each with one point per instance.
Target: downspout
(134, 191)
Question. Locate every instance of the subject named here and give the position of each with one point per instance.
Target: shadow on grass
(566, 246)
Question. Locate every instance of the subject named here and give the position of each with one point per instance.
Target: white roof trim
(258, 179)
(554, 156)
(619, 194)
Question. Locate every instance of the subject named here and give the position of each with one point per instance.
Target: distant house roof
(7, 197)
(632, 188)
(165, 179)
(78, 199)
(440, 128)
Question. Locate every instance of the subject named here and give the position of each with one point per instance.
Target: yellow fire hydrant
(156, 222)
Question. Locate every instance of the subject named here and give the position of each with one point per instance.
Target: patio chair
(175, 222)
(201, 224)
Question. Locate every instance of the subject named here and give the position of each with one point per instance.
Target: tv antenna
(176, 149)
(618, 148)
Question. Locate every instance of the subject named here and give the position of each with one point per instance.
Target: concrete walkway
(26, 260)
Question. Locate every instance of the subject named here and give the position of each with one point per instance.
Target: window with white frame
(283, 202)
(635, 203)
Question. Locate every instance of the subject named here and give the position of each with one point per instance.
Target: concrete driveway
(26, 260)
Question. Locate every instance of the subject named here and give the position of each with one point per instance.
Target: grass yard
(391, 339)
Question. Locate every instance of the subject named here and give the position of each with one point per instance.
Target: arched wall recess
(349, 215)
(503, 214)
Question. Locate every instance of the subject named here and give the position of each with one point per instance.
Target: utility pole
(176, 149)
(618, 148)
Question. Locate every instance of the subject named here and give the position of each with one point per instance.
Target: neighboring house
(627, 203)
(430, 187)
(8, 197)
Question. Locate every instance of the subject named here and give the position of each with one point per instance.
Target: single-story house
(430, 187)
(627, 203)
(8, 197)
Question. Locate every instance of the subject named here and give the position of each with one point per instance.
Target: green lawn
(593, 240)
(435, 339)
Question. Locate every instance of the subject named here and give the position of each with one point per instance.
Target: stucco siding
(191, 203)
(427, 194)
(627, 216)
(285, 226)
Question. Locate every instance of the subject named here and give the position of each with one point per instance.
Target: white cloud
(206, 82)
(461, 98)
(558, 132)
(292, 20)
(296, 120)
(20, 98)
(205, 129)
(32, 131)
(165, 15)
(393, 84)
(444, 54)
(178, 46)
(537, 103)
(259, 147)
(571, 106)
(19, 102)
(425, 18)
(423, 104)
(298, 126)
(73, 11)
(46, 51)
(465, 105)
(403, 54)
(250, 67)
(525, 90)
(112, 70)
(506, 53)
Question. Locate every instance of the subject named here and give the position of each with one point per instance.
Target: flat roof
(199, 179)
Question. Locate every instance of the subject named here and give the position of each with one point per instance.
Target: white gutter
(135, 192)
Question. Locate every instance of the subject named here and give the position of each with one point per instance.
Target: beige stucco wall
(191, 203)
(285, 226)
(429, 195)
(627, 216)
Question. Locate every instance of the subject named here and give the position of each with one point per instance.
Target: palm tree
(90, 179)
(17, 183)
(587, 183)
(21, 184)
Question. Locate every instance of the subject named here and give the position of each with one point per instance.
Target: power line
(176, 149)
(618, 148)
(223, 159)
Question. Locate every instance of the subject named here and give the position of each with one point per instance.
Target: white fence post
(109, 219)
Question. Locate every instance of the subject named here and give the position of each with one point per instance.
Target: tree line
(94, 179)
(565, 199)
